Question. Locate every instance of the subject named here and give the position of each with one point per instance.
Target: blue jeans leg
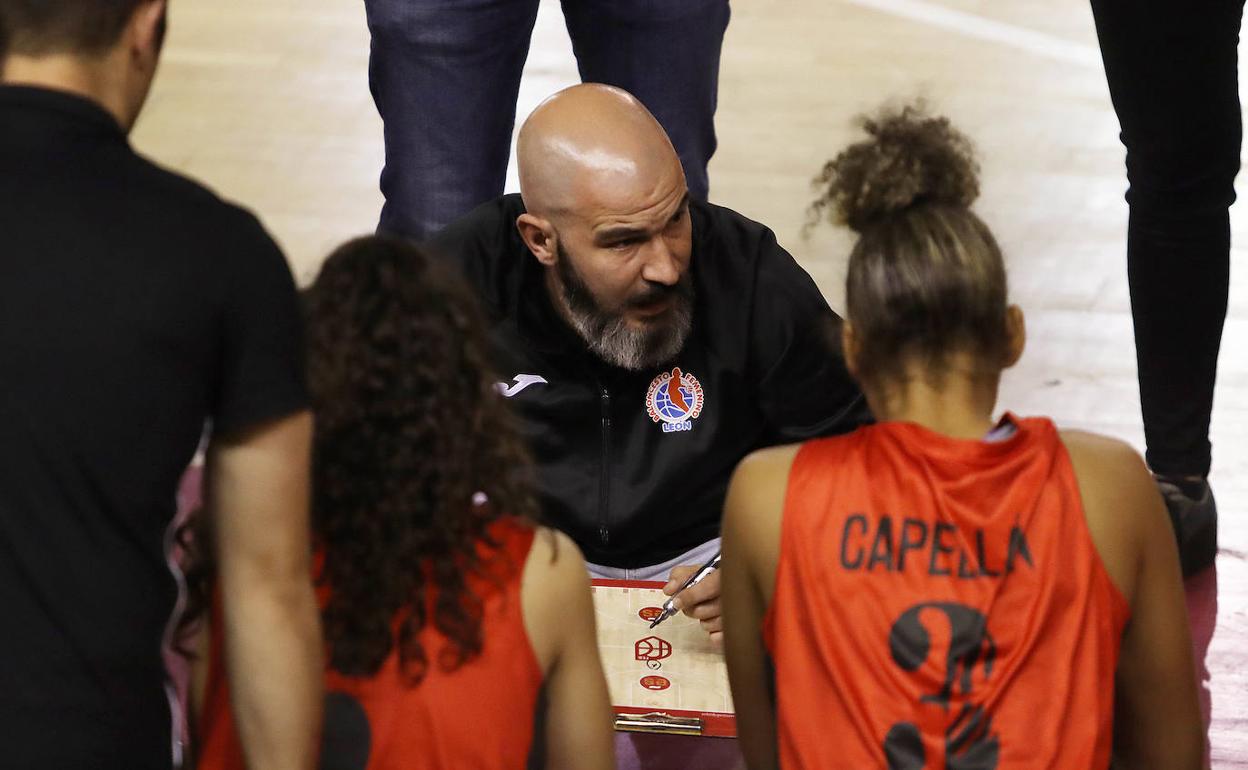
(664, 52)
(445, 75)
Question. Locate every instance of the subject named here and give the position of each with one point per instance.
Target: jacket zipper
(604, 478)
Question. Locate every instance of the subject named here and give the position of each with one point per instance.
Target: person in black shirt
(649, 341)
(134, 307)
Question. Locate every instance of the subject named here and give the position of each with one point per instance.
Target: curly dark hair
(909, 159)
(415, 455)
(926, 277)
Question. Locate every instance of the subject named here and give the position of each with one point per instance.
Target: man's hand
(699, 601)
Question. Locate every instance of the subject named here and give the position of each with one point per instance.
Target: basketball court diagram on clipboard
(666, 679)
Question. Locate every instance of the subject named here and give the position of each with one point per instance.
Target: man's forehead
(638, 213)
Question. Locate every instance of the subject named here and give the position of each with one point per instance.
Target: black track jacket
(633, 466)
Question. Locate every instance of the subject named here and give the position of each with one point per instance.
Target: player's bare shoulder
(554, 592)
(1120, 500)
(755, 506)
(1105, 466)
(756, 493)
(1097, 448)
(773, 456)
(764, 469)
(554, 562)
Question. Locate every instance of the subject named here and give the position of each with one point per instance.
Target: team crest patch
(675, 399)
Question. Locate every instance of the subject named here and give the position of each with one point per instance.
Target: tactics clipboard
(666, 680)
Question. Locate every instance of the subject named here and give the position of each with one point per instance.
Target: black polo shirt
(134, 306)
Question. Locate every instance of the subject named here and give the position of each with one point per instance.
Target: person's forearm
(1179, 749)
(273, 640)
(749, 676)
(756, 731)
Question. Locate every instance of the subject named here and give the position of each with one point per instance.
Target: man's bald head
(593, 146)
(607, 215)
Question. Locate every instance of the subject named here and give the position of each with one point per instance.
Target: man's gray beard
(611, 337)
(618, 343)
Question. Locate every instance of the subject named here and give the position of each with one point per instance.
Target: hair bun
(909, 159)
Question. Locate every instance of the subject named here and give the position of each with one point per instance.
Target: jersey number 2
(970, 743)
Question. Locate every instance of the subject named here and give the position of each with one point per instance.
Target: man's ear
(539, 235)
(1016, 328)
(850, 348)
(145, 34)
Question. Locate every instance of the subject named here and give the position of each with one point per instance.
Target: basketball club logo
(655, 682)
(648, 614)
(675, 399)
(651, 650)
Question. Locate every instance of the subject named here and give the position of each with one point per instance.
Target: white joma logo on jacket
(522, 381)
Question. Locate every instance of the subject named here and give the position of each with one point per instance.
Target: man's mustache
(657, 292)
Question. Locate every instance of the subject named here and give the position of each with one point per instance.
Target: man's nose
(661, 265)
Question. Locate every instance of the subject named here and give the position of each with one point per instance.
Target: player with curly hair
(446, 609)
(941, 589)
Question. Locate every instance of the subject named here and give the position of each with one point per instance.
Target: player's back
(940, 602)
(134, 306)
(477, 715)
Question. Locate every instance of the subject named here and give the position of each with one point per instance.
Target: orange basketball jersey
(939, 603)
(480, 715)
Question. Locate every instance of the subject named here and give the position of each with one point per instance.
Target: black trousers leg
(1172, 72)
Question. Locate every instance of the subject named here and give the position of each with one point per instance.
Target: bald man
(648, 341)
